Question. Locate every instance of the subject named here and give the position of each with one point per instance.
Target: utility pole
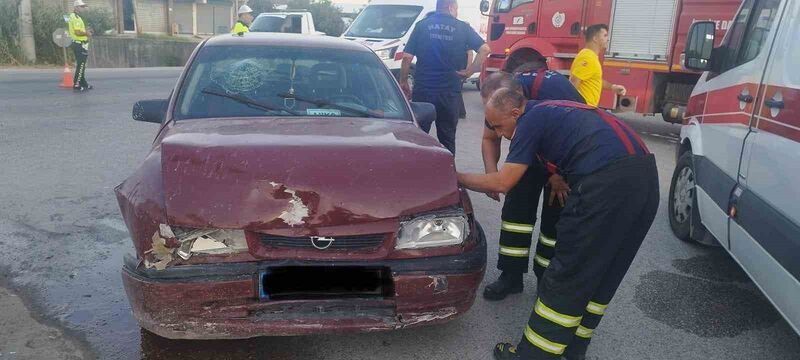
(26, 39)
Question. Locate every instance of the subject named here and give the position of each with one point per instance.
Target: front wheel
(682, 197)
(683, 211)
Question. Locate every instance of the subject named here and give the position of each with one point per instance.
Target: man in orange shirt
(587, 73)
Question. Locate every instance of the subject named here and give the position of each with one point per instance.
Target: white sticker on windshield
(323, 112)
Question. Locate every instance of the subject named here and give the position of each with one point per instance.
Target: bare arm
(500, 182)
(490, 148)
(405, 70)
(477, 63)
(619, 89)
(576, 82)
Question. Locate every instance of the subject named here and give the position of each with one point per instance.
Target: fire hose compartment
(322, 283)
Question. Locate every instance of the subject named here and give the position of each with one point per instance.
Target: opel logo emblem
(321, 242)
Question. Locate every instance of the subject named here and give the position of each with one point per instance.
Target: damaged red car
(290, 191)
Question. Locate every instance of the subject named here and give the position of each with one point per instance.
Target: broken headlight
(386, 54)
(446, 229)
(207, 241)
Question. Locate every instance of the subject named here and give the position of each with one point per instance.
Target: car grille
(354, 242)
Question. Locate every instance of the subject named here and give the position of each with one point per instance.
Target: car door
(765, 231)
(730, 94)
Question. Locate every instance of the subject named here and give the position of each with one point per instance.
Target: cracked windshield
(288, 81)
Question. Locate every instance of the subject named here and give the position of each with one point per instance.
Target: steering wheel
(349, 99)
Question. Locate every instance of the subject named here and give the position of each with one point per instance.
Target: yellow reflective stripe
(541, 261)
(583, 332)
(514, 252)
(544, 344)
(546, 241)
(596, 308)
(516, 228)
(555, 316)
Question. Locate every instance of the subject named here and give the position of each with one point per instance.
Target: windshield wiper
(320, 102)
(249, 102)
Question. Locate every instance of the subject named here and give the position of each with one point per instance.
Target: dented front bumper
(222, 301)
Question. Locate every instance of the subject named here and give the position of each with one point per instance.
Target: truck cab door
(765, 228)
(561, 18)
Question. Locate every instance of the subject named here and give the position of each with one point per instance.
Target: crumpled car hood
(301, 173)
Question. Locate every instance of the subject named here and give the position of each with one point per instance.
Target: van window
(733, 40)
(384, 21)
(758, 30)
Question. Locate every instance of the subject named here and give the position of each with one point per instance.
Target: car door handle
(746, 98)
(774, 104)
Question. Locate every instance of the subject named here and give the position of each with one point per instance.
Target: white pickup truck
(301, 22)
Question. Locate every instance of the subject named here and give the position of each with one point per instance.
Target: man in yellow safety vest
(245, 19)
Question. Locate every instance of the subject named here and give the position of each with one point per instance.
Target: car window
(257, 81)
(384, 21)
(733, 39)
(758, 29)
(292, 24)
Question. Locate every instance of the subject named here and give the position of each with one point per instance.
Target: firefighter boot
(508, 283)
(505, 351)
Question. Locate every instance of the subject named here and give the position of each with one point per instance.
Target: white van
(386, 25)
(735, 182)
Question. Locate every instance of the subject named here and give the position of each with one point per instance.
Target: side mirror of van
(700, 46)
(485, 7)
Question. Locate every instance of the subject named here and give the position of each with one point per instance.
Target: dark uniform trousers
(607, 216)
(81, 56)
(518, 220)
(448, 108)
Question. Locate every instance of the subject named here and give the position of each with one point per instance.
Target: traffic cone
(67, 81)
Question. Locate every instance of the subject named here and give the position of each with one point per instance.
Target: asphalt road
(62, 241)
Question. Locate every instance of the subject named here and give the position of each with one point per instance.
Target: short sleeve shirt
(578, 141)
(76, 23)
(554, 87)
(587, 68)
(440, 42)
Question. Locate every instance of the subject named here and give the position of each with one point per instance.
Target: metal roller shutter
(183, 17)
(642, 29)
(152, 15)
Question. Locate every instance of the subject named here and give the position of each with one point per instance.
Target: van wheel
(682, 197)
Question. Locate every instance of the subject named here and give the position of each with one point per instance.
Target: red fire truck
(645, 54)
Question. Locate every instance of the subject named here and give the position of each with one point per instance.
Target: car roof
(287, 40)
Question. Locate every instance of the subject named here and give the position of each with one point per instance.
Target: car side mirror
(425, 113)
(700, 46)
(485, 7)
(151, 111)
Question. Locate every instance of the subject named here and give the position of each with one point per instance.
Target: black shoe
(505, 285)
(89, 87)
(505, 351)
(574, 357)
(81, 89)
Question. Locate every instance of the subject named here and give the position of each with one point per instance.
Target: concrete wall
(115, 52)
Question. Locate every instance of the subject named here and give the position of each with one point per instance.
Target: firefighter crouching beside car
(611, 205)
(518, 217)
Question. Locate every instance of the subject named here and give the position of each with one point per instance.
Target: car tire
(684, 215)
(682, 197)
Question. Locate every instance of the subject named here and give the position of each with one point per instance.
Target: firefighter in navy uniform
(245, 20)
(518, 216)
(613, 200)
